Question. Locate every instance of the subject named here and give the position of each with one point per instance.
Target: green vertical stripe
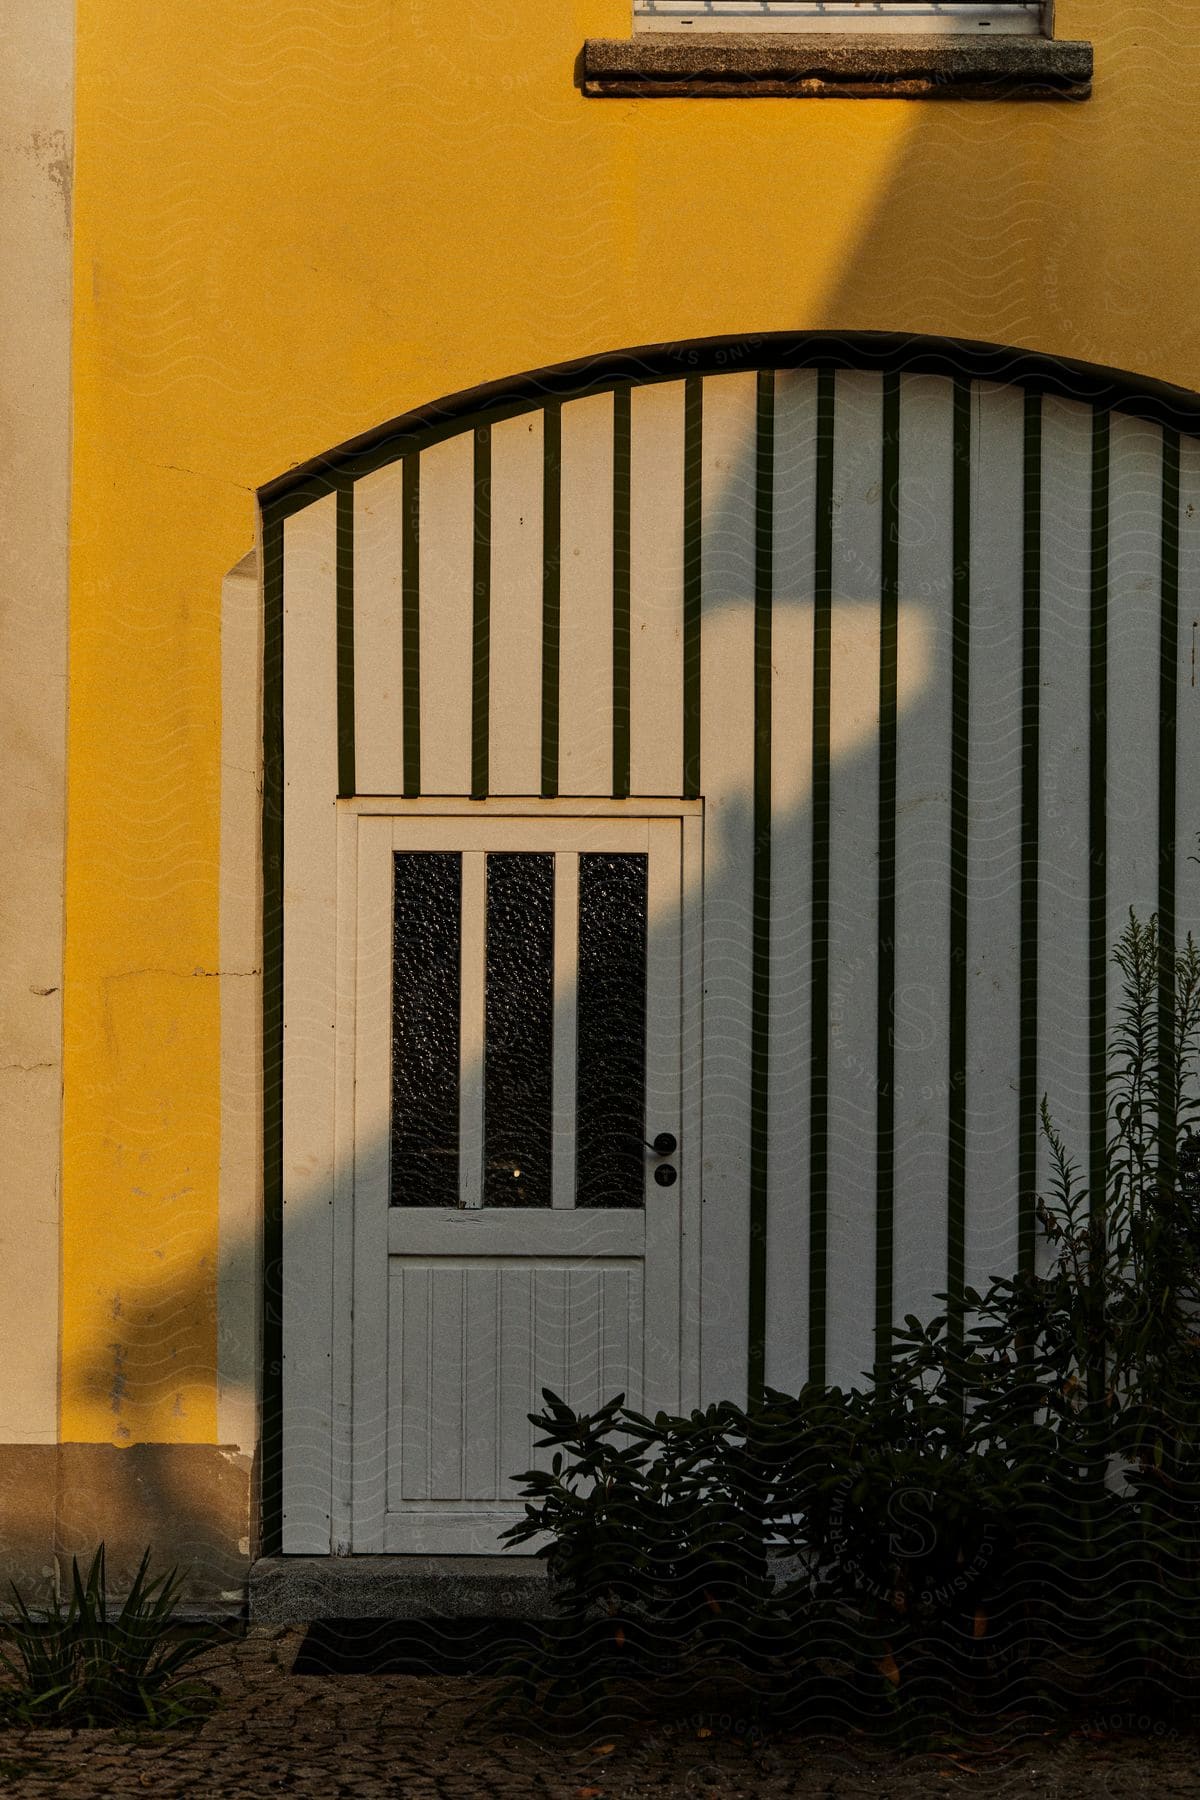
(345, 637)
(272, 1030)
(410, 626)
(885, 1001)
(693, 480)
(1031, 679)
(551, 591)
(622, 401)
(1168, 701)
(760, 976)
(1098, 817)
(960, 731)
(481, 612)
(818, 1168)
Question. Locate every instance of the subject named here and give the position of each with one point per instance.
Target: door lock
(663, 1145)
(665, 1175)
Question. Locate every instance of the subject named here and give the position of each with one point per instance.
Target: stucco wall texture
(295, 220)
(35, 325)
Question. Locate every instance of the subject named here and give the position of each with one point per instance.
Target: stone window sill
(679, 65)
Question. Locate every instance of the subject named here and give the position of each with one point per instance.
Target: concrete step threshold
(294, 1590)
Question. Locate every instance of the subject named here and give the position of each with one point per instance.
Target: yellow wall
(295, 220)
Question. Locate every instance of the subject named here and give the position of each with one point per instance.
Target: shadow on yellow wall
(291, 224)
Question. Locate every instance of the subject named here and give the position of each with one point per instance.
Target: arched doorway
(879, 641)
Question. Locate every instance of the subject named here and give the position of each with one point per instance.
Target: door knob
(663, 1145)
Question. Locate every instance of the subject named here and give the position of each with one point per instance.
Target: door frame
(318, 1385)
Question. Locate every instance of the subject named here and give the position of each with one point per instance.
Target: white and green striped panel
(917, 643)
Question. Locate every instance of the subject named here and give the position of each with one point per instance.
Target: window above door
(936, 17)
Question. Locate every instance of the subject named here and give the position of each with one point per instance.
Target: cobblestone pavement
(411, 1738)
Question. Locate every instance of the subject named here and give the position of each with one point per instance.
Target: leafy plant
(80, 1665)
(669, 1521)
(1020, 1483)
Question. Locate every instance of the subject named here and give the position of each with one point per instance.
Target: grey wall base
(293, 1590)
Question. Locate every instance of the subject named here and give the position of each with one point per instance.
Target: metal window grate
(946, 17)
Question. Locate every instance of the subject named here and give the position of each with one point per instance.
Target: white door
(518, 1023)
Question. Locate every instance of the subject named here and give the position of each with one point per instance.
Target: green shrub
(78, 1666)
(1020, 1482)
